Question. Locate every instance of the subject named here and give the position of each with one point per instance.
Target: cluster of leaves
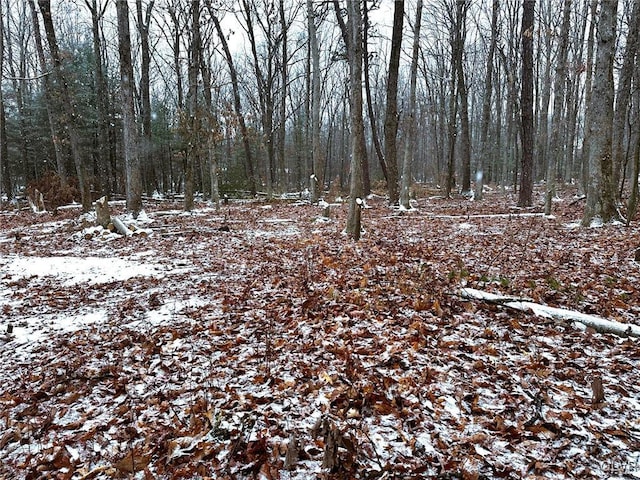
(280, 349)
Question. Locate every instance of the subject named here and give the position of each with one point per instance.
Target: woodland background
(262, 96)
(236, 338)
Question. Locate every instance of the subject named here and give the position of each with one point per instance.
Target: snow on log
(121, 227)
(599, 324)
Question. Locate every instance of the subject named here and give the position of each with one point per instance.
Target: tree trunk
(264, 82)
(525, 198)
(547, 15)
(193, 115)
(144, 21)
(67, 105)
(601, 193)
(236, 99)
(623, 95)
(4, 150)
(281, 177)
(486, 103)
(5, 174)
(556, 145)
(129, 128)
(391, 115)
(352, 34)
(367, 88)
(102, 149)
(588, 94)
(632, 204)
(317, 162)
(462, 8)
(212, 130)
(409, 146)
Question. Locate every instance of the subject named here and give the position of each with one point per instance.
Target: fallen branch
(121, 227)
(599, 324)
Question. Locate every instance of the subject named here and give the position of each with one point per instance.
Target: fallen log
(121, 228)
(599, 324)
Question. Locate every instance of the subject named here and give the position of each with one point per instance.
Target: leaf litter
(278, 349)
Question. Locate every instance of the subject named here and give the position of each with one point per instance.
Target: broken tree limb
(121, 228)
(599, 324)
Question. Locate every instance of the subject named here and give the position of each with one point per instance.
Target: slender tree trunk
(601, 194)
(102, 106)
(236, 99)
(176, 51)
(623, 96)
(193, 115)
(5, 173)
(409, 146)
(352, 35)
(452, 135)
(462, 8)
(129, 127)
(556, 146)
(281, 176)
(264, 81)
(144, 21)
(588, 89)
(543, 82)
(212, 129)
(67, 105)
(526, 178)
(68, 120)
(4, 150)
(486, 103)
(391, 115)
(632, 204)
(367, 88)
(317, 179)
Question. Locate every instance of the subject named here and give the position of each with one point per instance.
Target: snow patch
(72, 271)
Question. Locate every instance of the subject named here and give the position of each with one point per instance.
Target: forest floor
(280, 349)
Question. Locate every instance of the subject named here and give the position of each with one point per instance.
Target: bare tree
(373, 122)
(623, 95)
(459, 39)
(486, 102)
(143, 21)
(391, 115)
(352, 35)
(588, 82)
(237, 102)
(409, 145)
(129, 127)
(98, 10)
(556, 146)
(4, 150)
(54, 124)
(191, 119)
(601, 191)
(525, 198)
(317, 156)
(211, 126)
(66, 107)
(632, 204)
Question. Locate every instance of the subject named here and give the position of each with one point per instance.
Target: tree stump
(103, 212)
